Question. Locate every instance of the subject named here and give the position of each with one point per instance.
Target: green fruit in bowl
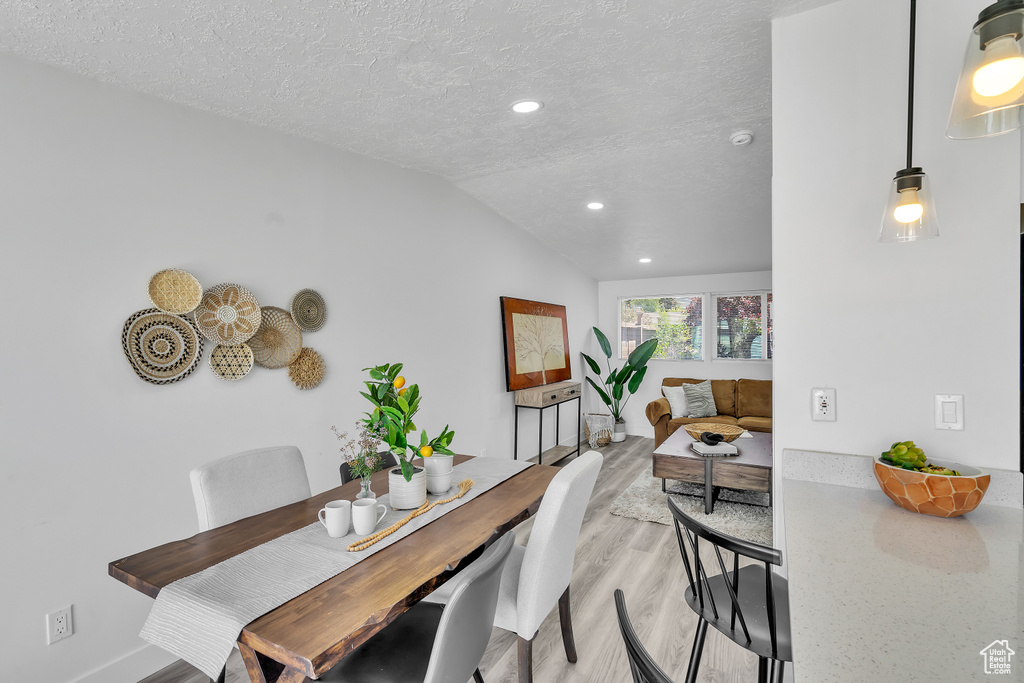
(908, 456)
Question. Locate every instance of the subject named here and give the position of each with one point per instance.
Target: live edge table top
(311, 633)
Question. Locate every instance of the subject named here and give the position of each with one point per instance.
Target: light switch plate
(949, 411)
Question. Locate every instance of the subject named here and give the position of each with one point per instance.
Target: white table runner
(198, 618)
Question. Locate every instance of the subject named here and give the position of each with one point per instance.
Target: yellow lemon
(426, 451)
(399, 382)
(401, 391)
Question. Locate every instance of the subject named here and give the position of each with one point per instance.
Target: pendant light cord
(910, 88)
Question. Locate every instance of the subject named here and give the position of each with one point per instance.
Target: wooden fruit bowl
(933, 494)
(730, 432)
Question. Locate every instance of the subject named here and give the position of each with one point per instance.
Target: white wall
(889, 325)
(99, 189)
(609, 294)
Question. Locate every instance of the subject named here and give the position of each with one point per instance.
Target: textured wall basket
(407, 495)
(228, 314)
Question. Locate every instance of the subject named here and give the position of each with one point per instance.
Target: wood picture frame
(536, 338)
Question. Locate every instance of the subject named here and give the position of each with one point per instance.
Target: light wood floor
(641, 558)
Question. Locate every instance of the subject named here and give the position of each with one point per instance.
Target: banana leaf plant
(617, 382)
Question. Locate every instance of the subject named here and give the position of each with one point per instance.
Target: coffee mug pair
(362, 514)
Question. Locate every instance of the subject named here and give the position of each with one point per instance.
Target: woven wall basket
(308, 369)
(175, 291)
(309, 310)
(228, 314)
(278, 342)
(231, 362)
(161, 347)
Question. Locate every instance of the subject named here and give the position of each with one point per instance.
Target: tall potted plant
(617, 382)
(394, 405)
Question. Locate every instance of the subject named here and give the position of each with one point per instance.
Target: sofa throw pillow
(676, 401)
(699, 399)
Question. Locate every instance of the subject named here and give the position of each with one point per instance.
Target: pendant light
(989, 97)
(909, 214)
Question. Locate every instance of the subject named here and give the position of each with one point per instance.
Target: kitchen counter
(878, 593)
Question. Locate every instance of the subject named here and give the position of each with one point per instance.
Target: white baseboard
(131, 668)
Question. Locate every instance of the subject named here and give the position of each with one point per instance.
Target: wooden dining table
(306, 636)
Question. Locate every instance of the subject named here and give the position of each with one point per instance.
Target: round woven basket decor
(161, 347)
(278, 341)
(730, 432)
(309, 310)
(175, 291)
(228, 314)
(231, 362)
(308, 369)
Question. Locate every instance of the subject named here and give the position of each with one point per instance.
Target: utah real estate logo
(997, 657)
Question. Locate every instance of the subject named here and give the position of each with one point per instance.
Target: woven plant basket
(602, 440)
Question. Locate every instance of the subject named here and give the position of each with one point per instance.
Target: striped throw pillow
(699, 399)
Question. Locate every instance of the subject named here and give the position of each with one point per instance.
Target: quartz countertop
(878, 593)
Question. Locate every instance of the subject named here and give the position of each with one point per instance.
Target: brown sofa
(743, 402)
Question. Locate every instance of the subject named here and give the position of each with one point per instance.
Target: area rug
(733, 515)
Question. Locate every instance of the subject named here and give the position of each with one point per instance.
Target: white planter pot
(439, 472)
(407, 495)
(618, 432)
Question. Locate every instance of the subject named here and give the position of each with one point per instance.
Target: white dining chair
(434, 643)
(536, 577)
(248, 483)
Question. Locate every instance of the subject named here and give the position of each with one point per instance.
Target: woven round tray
(278, 342)
(231, 362)
(730, 432)
(308, 369)
(309, 310)
(175, 291)
(161, 347)
(228, 314)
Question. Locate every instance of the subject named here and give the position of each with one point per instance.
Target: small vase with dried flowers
(361, 454)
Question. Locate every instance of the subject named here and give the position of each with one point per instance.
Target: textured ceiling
(639, 101)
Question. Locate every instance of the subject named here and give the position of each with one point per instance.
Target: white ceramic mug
(336, 517)
(364, 515)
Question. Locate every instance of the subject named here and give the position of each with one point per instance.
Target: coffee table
(750, 470)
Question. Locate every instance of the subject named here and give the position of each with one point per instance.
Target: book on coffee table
(701, 448)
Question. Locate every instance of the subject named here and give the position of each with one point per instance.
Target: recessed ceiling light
(595, 205)
(645, 260)
(526, 106)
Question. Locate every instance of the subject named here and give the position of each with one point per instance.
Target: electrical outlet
(823, 405)
(59, 625)
(483, 452)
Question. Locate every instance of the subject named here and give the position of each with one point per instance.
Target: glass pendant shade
(910, 213)
(989, 97)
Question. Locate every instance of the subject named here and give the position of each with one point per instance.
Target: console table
(545, 396)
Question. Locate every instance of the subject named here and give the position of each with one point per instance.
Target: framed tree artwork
(536, 343)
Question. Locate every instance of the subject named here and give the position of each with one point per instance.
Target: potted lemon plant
(395, 403)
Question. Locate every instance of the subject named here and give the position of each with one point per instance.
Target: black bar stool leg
(698, 649)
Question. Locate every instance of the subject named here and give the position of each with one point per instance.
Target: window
(743, 326)
(677, 322)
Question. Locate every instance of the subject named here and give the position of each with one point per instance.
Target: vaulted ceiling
(639, 101)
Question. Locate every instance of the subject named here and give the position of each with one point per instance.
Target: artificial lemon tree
(394, 405)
